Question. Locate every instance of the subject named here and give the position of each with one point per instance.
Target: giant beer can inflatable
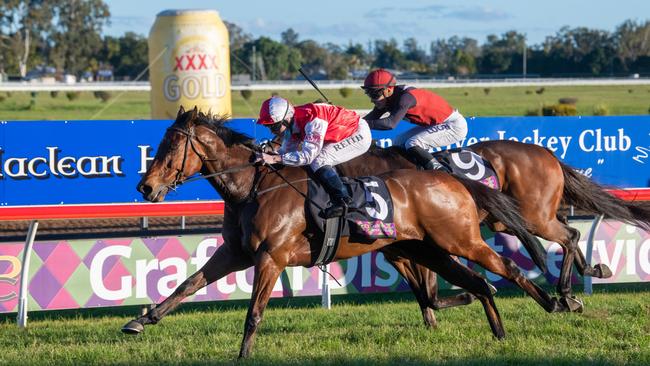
(189, 62)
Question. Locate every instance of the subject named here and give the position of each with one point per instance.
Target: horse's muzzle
(151, 194)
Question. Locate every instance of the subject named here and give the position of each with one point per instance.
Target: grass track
(508, 101)
(366, 330)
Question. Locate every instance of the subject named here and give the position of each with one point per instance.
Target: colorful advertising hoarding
(68, 274)
(95, 162)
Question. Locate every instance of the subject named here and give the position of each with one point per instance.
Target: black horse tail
(505, 209)
(581, 192)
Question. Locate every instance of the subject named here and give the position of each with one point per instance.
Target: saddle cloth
(465, 162)
(369, 217)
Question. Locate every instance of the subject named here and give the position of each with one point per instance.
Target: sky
(361, 21)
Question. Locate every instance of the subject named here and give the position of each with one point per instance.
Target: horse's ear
(181, 110)
(195, 111)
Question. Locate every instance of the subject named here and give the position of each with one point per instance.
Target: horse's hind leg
(267, 272)
(423, 282)
(599, 270)
(461, 276)
(224, 261)
(480, 252)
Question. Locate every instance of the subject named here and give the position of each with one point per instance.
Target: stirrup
(337, 209)
(434, 164)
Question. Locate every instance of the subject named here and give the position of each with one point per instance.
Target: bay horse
(540, 183)
(270, 231)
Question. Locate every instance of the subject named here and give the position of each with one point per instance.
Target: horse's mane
(219, 124)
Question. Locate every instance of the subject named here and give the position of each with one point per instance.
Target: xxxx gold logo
(10, 277)
(196, 61)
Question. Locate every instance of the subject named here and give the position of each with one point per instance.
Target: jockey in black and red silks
(438, 124)
(319, 135)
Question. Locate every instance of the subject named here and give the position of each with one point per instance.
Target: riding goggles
(374, 93)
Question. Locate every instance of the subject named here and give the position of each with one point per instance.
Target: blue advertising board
(91, 162)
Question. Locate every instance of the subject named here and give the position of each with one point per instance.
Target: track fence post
(587, 282)
(326, 299)
(24, 274)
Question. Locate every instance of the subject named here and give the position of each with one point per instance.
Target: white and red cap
(274, 110)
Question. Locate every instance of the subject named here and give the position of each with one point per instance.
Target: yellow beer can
(189, 63)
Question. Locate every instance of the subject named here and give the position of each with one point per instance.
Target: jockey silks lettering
(347, 142)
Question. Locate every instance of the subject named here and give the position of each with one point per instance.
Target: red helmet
(274, 110)
(379, 79)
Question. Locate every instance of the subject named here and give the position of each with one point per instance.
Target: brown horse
(435, 215)
(540, 183)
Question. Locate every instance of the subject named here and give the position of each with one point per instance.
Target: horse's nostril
(145, 189)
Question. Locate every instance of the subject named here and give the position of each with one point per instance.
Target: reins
(190, 135)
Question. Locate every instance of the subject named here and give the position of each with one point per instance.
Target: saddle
(464, 162)
(369, 217)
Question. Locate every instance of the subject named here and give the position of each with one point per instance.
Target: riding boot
(333, 185)
(426, 160)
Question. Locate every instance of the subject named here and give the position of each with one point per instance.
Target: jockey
(438, 124)
(319, 135)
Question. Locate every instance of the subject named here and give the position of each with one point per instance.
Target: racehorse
(540, 183)
(269, 230)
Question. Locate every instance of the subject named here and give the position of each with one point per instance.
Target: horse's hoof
(557, 306)
(133, 327)
(603, 270)
(573, 304)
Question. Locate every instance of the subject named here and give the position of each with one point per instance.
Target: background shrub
(533, 112)
(72, 95)
(246, 94)
(568, 100)
(54, 93)
(559, 110)
(103, 95)
(345, 92)
(601, 110)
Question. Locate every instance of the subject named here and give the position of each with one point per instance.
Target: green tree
(500, 55)
(289, 37)
(127, 54)
(276, 60)
(77, 33)
(24, 25)
(313, 57)
(388, 55)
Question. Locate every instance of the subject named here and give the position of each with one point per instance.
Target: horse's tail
(506, 210)
(581, 192)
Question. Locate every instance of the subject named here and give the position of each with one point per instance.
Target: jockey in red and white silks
(318, 135)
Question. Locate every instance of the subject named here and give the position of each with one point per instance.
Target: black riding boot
(334, 187)
(426, 160)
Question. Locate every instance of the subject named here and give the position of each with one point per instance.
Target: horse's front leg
(224, 261)
(267, 272)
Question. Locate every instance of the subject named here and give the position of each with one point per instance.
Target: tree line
(67, 36)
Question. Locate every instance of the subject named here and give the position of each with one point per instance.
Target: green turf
(378, 330)
(509, 101)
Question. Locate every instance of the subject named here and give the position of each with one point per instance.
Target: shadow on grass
(301, 302)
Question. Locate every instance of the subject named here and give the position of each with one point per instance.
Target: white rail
(19, 86)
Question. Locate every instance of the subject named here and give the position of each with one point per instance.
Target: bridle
(190, 135)
(189, 142)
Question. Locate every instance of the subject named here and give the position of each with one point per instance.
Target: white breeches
(452, 130)
(347, 149)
